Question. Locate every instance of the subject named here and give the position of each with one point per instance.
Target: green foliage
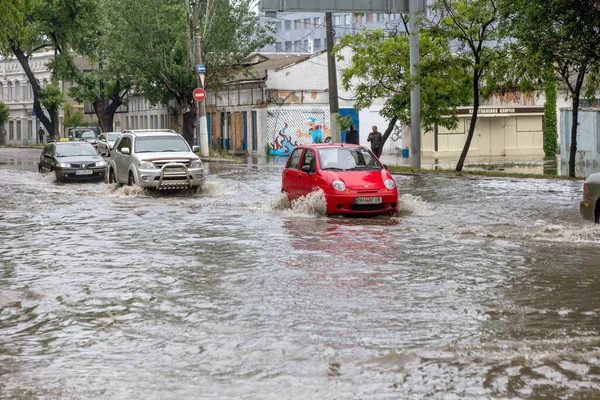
(380, 68)
(3, 113)
(51, 97)
(344, 122)
(71, 117)
(550, 121)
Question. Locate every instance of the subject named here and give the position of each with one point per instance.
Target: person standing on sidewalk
(41, 135)
(352, 135)
(376, 139)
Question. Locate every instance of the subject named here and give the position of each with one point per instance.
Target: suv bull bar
(174, 184)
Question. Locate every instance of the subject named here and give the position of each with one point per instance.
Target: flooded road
(479, 288)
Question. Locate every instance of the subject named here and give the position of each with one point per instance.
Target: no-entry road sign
(199, 94)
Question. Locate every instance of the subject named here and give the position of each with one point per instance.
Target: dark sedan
(72, 161)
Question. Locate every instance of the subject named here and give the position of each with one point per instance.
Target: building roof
(257, 65)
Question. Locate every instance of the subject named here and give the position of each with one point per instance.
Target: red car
(351, 177)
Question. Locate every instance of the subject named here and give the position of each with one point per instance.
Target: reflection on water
(478, 288)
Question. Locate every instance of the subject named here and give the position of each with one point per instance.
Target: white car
(106, 142)
(154, 158)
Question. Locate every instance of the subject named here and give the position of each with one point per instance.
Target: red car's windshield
(348, 159)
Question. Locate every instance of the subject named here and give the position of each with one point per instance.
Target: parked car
(589, 206)
(159, 159)
(106, 142)
(72, 161)
(350, 176)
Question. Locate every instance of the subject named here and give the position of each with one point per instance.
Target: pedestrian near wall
(352, 135)
(41, 135)
(376, 139)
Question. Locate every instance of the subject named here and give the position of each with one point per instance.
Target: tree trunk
(465, 150)
(575, 111)
(388, 131)
(101, 115)
(189, 122)
(51, 123)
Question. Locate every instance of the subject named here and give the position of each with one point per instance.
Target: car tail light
(586, 192)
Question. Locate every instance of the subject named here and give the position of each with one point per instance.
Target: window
(309, 159)
(278, 26)
(297, 24)
(359, 19)
(306, 23)
(370, 17)
(297, 45)
(288, 25)
(11, 130)
(18, 130)
(317, 44)
(316, 22)
(294, 159)
(380, 17)
(305, 45)
(124, 143)
(30, 129)
(8, 93)
(288, 46)
(337, 20)
(17, 90)
(347, 19)
(278, 47)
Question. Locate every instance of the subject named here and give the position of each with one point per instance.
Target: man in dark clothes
(41, 135)
(352, 135)
(376, 139)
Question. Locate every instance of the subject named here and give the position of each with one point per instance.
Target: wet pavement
(479, 288)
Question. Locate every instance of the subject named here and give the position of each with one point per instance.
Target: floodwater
(478, 289)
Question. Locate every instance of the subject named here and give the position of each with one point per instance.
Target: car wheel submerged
(111, 176)
(130, 180)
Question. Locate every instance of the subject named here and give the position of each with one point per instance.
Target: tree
(473, 25)
(3, 114)
(380, 68)
(152, 38)
(27, 26)
(549, 126)
(562, 35)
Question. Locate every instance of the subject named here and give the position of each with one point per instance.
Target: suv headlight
(196, 164)
(339, 185)
(389, 183)
(146, 165)
(63, 165)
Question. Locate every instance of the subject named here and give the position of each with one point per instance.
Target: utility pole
(333, 87)
(415, 93)
(200, 106)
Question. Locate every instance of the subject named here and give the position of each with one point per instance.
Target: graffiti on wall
(292, 127)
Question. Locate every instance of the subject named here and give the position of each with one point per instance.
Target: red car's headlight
(389, 183)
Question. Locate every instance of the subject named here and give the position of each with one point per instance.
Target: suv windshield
(152, 144)
(348, 159)
(75, 149)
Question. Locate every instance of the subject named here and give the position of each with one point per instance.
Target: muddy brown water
(479, 288)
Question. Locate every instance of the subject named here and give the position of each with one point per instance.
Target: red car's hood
(359, 180)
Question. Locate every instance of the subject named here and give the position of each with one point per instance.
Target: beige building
(500, 131)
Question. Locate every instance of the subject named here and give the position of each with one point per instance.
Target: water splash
(312, 204)
(125, 191)
(414, 205)
(212, 188)
(280, 202)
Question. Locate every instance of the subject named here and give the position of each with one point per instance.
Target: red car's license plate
(368, 200)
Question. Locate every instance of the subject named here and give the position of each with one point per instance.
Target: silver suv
(159, 159)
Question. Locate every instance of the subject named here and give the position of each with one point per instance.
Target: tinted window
(125, 142)
(49, 149)
(152, 144)
(309, 159)
(348, 158)
(294, 159)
